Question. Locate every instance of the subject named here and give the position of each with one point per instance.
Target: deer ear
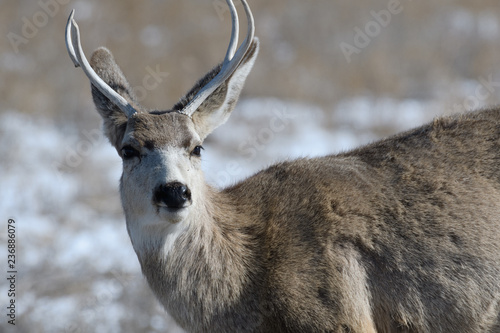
(115, 120)
(216, 109)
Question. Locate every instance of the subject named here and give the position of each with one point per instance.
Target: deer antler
(79, 59)
(231, 60)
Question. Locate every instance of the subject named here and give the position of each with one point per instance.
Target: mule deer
(402, 235)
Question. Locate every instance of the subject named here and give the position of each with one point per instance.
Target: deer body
(399, 236)
(402, 235)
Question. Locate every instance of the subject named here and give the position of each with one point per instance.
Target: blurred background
(335, 74)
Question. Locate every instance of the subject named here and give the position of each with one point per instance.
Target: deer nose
(174, 195)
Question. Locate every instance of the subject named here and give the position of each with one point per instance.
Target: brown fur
(402, 235)
(415, 217)
(399, 236)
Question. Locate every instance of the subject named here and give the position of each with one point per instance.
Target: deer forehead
(160, 130)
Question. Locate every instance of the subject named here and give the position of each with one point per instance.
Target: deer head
(162, 179)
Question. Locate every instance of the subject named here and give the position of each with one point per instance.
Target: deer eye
(197, 151)
(129, 152)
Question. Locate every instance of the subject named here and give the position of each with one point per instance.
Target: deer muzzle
(173, 195)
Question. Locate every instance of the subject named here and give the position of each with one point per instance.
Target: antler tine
(235, 30)
(231, 61)
(69, 42)
(73, 43)
(250, 34)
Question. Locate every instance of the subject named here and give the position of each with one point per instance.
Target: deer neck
(201, 265)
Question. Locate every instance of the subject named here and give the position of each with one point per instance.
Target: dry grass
(426, 48)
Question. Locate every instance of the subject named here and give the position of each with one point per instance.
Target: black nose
(174, 195)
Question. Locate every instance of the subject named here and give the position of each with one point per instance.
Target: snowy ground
(77, 271)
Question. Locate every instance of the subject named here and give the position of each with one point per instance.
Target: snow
(285, 130)
(365, 113)
(485, 24)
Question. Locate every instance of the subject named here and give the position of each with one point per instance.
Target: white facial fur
(164, 157)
